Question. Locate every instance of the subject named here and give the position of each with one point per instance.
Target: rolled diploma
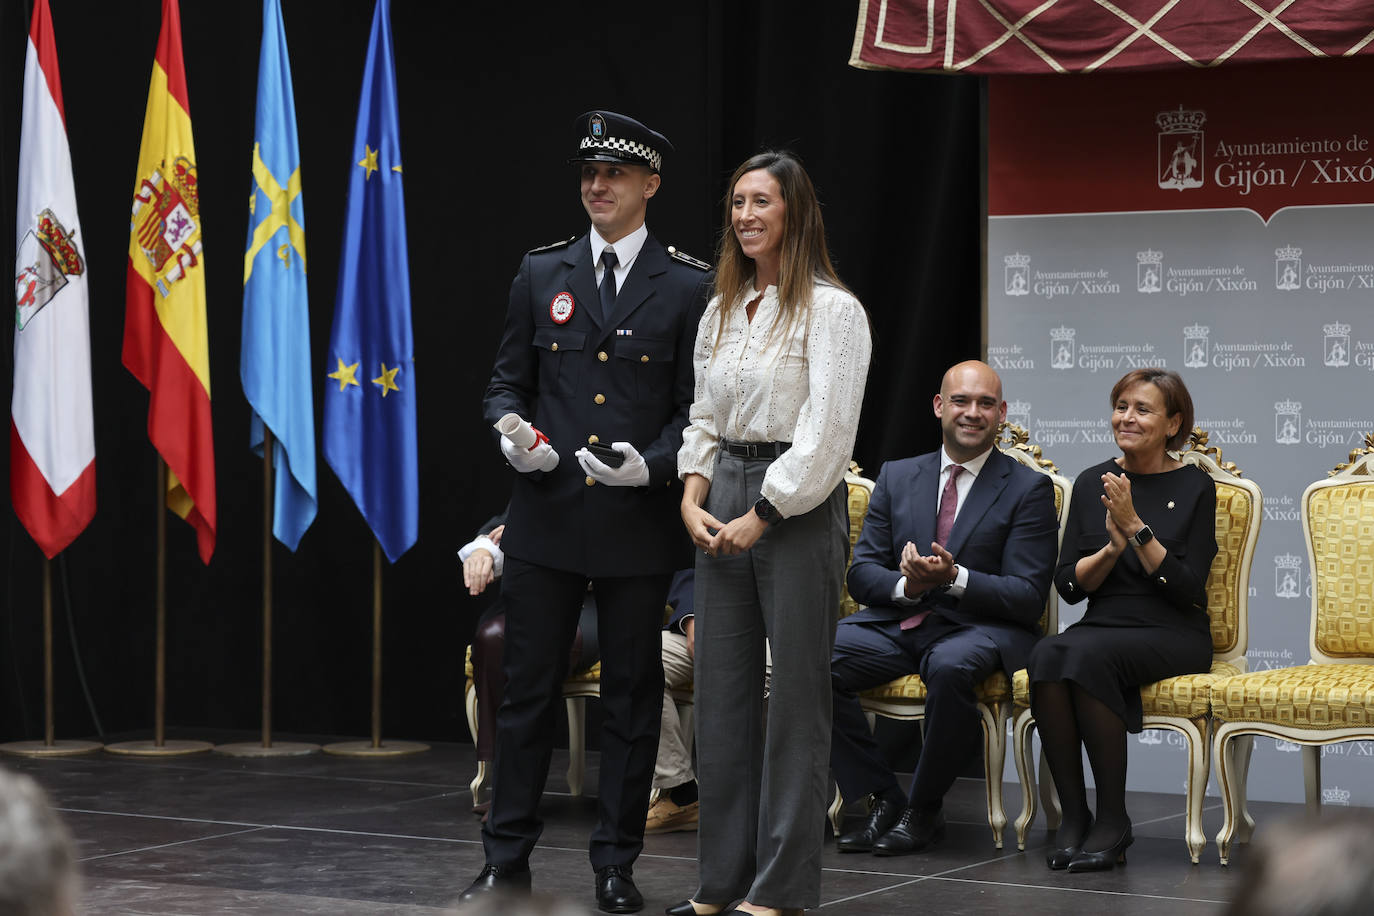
(522, 435)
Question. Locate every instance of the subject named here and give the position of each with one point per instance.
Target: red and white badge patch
(561, 308)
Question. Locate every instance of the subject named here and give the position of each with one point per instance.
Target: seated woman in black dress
(1139, 543)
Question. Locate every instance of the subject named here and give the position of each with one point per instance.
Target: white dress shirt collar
(971, 467)
(626, 250)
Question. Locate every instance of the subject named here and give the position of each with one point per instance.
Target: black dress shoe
(506, 879)
(1059, 857)
(616, 891)
(914, 831)
(880, 820)
(1106, 859)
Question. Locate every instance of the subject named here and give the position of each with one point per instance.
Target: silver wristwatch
(1142, 537)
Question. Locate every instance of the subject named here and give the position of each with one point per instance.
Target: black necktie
(608, 262)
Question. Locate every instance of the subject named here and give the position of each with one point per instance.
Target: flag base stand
(54, 749)
(368, 749)
(154, 749)
(275, 749)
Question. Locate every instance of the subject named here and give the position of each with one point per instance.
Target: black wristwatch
(765, 510)
(1142, 537)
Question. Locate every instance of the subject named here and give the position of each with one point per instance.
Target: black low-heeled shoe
(1058, 858)
(1106, 859)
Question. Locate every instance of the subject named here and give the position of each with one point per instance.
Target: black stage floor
(212, 834)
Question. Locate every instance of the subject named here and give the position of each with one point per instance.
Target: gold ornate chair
(1182, 704)
(905, 698)
(1330, 699)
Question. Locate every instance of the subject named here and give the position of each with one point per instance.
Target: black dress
(1139, 627)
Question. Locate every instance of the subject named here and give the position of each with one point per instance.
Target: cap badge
(561, 308)
(596, 127)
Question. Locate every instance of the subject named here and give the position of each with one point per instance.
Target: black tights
(1068, 717)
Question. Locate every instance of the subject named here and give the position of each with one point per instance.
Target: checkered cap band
(633, 147)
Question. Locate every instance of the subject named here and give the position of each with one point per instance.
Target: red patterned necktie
(944, 521)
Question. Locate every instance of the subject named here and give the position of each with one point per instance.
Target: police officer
(596, 356)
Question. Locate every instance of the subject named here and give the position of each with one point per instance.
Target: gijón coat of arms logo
(48, 255)
(1180, 162)
(166, 215)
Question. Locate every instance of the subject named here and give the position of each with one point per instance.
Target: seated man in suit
(953, 568)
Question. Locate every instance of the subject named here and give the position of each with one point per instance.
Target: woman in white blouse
(781, 359)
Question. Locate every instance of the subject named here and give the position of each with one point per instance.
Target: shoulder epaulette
(687, 259)
(555, 245)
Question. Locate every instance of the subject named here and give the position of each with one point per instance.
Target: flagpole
(160, 746)
(267, 748)
(49, 746)
(375, 747)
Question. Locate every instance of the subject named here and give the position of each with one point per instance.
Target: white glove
(632, 473)
(539, 457)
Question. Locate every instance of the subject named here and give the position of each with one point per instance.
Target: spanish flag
(166, 345)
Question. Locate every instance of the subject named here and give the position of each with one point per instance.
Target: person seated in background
(38, 875)
(483, 562)
(673, 803)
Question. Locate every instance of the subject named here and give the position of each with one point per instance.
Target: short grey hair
(38, 874)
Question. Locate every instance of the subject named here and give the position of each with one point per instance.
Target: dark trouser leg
(1052, 703)
(489, 680)
(1104, 737)
(630, 618)
(951, 668)
(542, 607)
(866, 654)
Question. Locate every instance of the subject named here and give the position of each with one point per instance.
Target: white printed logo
(1195, 346)
(1018, 412)
(1287, 268)
(1061, 347)
(1287, 576)
(1017, 272)
(1148, 269)
(1336, 345)
(1287, 422)
(1180, 149)
(1335, 796)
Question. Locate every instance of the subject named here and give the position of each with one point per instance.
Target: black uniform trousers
(542, 608)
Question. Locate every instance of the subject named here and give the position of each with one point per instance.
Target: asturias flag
(275, 362)
(52, 437)
(369, 403)
(166, 345)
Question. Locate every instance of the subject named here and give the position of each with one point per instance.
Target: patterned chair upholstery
(905, 697)
(1331, 699)
(1183, 704)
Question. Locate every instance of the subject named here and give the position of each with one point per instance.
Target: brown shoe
(666, 817)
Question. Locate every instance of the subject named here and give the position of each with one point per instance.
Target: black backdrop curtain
(488, 93)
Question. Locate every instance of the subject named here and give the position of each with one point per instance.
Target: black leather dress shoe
(505, 879)
(880, 820)
(914, 831)
(1059, 857)
(616, 891)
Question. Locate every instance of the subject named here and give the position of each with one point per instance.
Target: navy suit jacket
(1005, 535)
(625, 378)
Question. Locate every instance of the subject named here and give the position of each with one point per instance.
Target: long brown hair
(804, 258)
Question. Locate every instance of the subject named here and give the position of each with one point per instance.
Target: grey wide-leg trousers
(763, 791)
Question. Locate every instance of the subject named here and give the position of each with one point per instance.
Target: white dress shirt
(761, 385)
(626, 250)
(961, 488)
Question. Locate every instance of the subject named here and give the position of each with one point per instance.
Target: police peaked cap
(604, 136)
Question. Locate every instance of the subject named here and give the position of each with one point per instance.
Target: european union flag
(369, 404)
(275, 365)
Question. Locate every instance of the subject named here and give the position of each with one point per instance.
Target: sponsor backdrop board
(1219, 223)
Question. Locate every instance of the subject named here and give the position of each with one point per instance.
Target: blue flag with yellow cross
(275, 361)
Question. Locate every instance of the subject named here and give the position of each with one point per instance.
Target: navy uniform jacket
(627, 379)
(1006, 535)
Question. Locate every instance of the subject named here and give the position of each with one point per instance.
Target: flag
(275, 361)
(52, 436)
(369, 400)
(166, 345)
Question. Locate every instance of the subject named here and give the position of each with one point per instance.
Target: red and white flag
(52, 436)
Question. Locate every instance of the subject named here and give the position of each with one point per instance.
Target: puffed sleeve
(838, 349)
(701, 438)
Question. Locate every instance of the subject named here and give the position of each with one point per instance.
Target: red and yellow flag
(166, 345)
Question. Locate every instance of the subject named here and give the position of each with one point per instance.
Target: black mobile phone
(606, 455)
